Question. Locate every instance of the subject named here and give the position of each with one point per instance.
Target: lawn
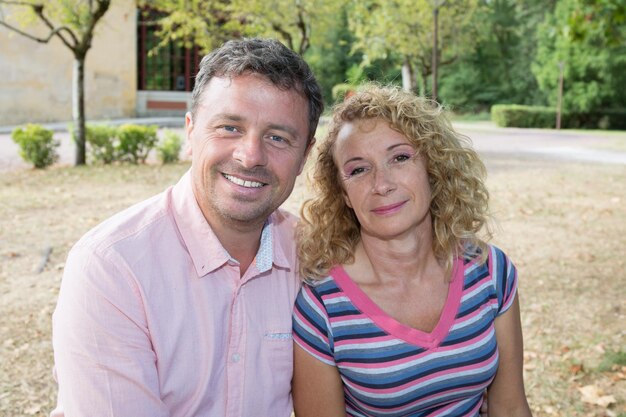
(563, 224)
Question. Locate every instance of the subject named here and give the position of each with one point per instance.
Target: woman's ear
(346, 198)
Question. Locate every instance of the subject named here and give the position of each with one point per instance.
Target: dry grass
(563, 224)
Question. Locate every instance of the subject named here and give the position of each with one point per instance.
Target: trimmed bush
(136, 142)
(611, 119)
(101, 140)
(169, 148)
(37, 145)
(514, 115)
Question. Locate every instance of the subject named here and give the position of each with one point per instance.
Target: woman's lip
(389, 209)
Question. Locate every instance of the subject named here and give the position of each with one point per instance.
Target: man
(181, 305)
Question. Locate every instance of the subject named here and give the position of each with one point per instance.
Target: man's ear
(188, 129)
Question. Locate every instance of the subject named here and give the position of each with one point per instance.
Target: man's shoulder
(136, 222)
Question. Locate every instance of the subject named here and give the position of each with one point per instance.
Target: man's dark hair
(267, 57)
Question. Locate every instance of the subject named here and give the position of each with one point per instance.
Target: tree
(607, 17)
(437, 5)
(73, 22)
(594, 64)
(498, 68)
(295, 22)
(410, 43)
(207, 23)
(203, 23)
(330, 58)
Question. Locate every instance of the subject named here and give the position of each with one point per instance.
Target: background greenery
(490, 51)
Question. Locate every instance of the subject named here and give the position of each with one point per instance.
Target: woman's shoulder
(472, 253)
(320, 285)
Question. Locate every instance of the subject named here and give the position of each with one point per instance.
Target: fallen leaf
(33, 410)
(576, 368)
(591, 394)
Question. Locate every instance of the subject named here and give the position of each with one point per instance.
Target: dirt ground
(562, 223)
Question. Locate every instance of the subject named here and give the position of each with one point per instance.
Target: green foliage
(513, 115)
(340, 91)
(169, 148)
(37, 145)
(401, 32)
(607, 17)
(205, 23)
(497, 70)
(594, 67)
(608, 119)
(298, 24)
(136, 142)
(329, 55)
(101, 140)
(471, 117)
(208, 23)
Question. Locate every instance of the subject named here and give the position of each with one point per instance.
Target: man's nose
(250, 151)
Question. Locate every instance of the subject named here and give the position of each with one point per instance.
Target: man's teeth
(243, 183)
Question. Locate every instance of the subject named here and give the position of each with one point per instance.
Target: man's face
(248, 141)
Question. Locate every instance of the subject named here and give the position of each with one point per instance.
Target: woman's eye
(401, 158)
(357, 171)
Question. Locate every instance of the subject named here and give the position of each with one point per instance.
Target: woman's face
(384, 180)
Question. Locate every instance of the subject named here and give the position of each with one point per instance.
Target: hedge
(514, 115)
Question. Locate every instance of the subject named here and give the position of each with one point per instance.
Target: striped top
(390, 369)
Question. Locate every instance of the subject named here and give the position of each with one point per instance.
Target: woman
(406, 311)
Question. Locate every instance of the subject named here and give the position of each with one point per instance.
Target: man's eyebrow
(285, 128)
(226, 116)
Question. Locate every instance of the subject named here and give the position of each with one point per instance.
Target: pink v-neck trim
(395, 328)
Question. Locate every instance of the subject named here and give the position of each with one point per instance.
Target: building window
(171, 67)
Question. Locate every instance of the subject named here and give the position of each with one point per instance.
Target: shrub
(614, 119)
(169, 148)
(342, 91)
(101, 140)
(136, 142)
(37, 145)
(514, 115)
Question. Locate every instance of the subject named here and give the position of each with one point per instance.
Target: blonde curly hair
(329, 230)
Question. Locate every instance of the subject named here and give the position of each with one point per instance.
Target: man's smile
(242, 182)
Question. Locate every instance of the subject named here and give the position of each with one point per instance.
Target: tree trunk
(423, 83)
(78, 108)
(435, 51)
(408, 80)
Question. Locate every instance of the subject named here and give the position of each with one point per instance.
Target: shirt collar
(206, 251)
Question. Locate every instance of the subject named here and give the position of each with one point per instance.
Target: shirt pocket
(278, 344)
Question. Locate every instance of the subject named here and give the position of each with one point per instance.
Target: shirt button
(236, 357)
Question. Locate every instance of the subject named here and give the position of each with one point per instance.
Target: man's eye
(229, 128)
(276, 138)
(278, 141)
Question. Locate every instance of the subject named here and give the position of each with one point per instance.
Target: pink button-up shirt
(154, 320)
